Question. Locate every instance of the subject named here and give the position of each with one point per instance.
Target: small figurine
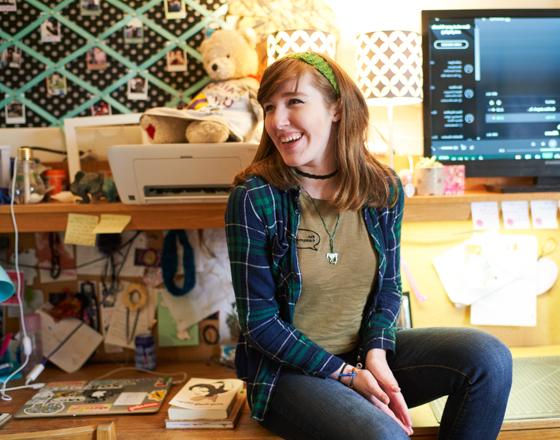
(93, 186)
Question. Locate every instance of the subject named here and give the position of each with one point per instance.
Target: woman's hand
(376, 364)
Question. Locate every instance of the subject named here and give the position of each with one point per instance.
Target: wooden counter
(132, 427)
(45, 217)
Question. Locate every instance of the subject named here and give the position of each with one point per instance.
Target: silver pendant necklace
(332, 256)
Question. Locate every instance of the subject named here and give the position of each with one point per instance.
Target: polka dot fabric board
(68, 58)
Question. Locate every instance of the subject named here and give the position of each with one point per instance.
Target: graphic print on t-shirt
(308, 239)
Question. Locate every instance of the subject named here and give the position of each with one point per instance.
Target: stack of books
(206, 403)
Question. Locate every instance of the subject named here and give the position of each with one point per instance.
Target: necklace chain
(332, 256)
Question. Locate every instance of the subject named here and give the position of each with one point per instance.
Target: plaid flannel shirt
(261, 227)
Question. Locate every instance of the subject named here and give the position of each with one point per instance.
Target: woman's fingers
(400, 408)
(387, 410)
(371, 387)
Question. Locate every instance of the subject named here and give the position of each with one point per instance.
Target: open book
(204, 399)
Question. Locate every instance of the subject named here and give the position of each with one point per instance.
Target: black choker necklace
(315, 176)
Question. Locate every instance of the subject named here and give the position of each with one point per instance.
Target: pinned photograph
(56, 85)
(90, 7)
(15, 113)
(176, 60)
(96, 59)
(137, 89)
(134, 32)
(175, 9)
(50, 31)
(4, 57)
(8, 5)
(10, 57)
(14, 57)
(100, 108)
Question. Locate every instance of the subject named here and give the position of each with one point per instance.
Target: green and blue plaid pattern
(261, 228)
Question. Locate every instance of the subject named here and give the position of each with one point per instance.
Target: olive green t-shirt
(333, 296)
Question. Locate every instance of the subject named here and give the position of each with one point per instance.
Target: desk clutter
(118, 299)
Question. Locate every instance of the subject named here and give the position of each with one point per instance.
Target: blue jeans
(470, 366)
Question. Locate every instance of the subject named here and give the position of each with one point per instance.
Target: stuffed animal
(225, 109)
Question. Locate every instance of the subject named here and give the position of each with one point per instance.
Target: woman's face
(300, 123)
(201, 391)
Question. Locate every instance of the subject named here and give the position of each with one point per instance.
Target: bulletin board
(67, 58)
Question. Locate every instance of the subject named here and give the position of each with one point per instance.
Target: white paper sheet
(117, 333)
(77, 348)
(485, 264)
(514, 304)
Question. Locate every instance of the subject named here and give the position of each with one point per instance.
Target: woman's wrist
(346, 374)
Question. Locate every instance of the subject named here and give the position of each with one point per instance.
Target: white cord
(26, 342)
(34, 386)
(182, 374)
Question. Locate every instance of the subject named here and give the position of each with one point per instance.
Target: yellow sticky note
(79, 229)
(112, 224)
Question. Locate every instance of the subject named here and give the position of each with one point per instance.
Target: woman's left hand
(376, 363)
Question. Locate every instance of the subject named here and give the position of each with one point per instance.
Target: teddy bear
(224, 110)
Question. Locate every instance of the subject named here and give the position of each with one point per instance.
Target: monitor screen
(492, 91)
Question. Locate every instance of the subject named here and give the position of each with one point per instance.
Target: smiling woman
(313, 231)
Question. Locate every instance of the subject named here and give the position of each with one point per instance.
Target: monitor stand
(540, 184)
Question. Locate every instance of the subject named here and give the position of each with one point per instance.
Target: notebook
(97, 397)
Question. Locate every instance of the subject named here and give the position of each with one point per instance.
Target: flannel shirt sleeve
(250, 252)
(381, 329)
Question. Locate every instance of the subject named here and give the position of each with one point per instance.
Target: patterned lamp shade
(389, 67)
(284, 42)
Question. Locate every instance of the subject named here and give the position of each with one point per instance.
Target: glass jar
(30, 187)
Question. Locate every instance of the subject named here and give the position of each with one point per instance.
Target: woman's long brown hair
(363, 180)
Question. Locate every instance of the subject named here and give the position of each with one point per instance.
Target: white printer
(177, 173)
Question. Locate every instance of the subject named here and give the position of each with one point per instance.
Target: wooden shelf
(46, 217)
(457, 208)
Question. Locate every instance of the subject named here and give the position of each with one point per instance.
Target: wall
(352, 16)
(422, 241)
(363, 15)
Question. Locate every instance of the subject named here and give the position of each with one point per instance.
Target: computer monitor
(492, 92)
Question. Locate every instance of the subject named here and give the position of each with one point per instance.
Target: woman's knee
(489, 357)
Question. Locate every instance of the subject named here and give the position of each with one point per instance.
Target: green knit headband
(319, 63)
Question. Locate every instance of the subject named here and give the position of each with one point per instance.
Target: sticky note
(544, 214)
(79, 229)
(516, 214)
(485, 215)
(112, 224)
